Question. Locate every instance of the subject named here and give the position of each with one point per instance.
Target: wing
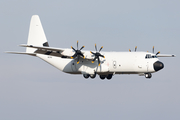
(59, 52)
(165, 55)
(24, 53)
(44, 48)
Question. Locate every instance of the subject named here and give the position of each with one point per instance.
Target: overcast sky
(31, 89)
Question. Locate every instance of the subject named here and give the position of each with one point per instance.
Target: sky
(32, 89)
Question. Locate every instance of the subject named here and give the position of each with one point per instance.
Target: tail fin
(36, 35)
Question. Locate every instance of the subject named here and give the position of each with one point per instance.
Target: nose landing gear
(148, 75)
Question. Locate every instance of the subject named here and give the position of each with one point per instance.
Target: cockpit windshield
(150, 56)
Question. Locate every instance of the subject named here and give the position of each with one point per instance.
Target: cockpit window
(149, 56)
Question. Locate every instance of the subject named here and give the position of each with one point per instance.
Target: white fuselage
(113, 63)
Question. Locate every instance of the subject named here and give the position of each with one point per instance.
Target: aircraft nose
(158, 65)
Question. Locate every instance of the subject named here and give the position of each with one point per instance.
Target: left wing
(60, 52)
(44, 48)
(33, 54)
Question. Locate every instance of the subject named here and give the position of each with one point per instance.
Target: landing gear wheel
(102, 77)
(86, 76)
(148, 75)
(109, 76)
(93, 76)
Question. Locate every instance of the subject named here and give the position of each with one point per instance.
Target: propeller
(135, 48)
(157, 53)
(77, 53)
(97, 55)
(153, 51)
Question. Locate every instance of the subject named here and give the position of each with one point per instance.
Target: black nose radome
(158, 65)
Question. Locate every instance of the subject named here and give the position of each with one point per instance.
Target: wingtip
(22, 45)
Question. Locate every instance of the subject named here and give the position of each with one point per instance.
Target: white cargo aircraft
(88, 63)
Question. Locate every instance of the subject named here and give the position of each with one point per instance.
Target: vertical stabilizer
(36, 35)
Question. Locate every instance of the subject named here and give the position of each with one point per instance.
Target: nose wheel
(148, 75)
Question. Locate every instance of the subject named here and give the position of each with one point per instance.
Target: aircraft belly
(60, 63)
(89, 68)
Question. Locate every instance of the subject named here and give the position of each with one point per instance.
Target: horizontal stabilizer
(33, 54)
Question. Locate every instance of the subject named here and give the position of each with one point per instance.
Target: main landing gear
(109, 76)
(148, 75)
(88, 75)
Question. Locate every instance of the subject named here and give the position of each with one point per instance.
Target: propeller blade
(74, 55)
(96, 47)
(135, 48)
(82, 55)
(73, 48)
(77, 45)
(78, 59)
(94, 59)
(100, 48)
(98, 62)
(157, 53)
(102, 56)
(153, 49)
(82, 47)
(92, 52)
